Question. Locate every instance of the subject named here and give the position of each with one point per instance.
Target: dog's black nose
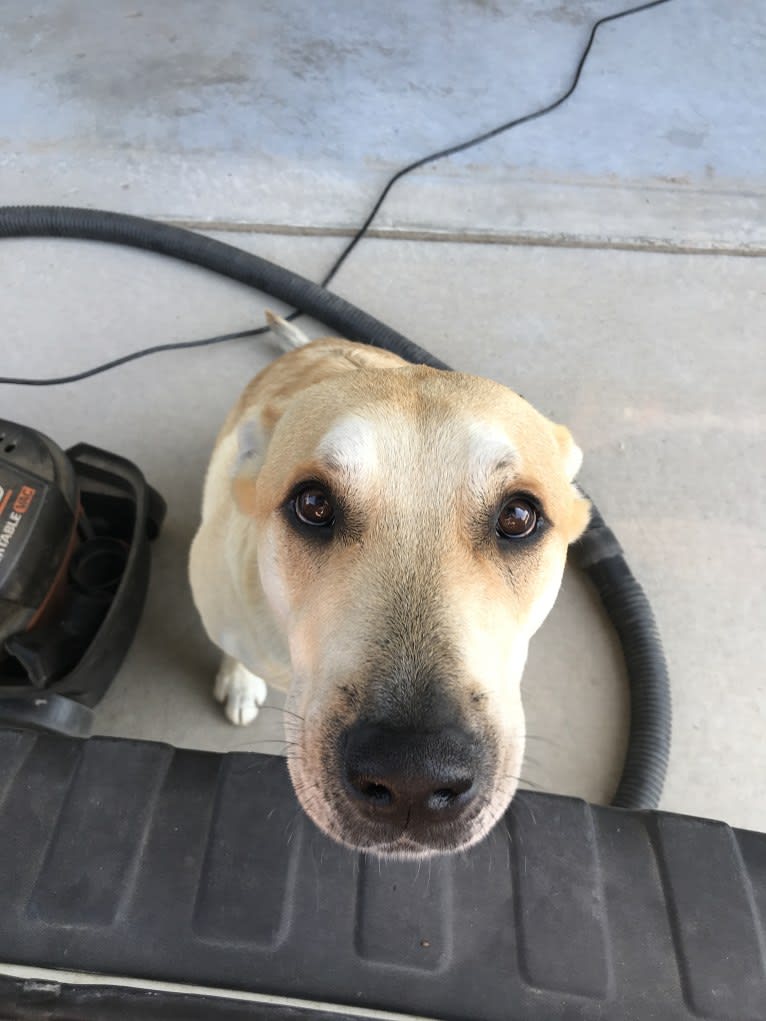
(410, 778)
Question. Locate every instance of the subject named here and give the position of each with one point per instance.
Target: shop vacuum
(75, 528)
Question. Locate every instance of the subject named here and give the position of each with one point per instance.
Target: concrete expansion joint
(528, 239)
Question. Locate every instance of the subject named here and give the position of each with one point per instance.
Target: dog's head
(409, 532)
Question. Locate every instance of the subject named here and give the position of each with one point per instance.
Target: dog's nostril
(444, 797)
(377, 793)
(369, 790)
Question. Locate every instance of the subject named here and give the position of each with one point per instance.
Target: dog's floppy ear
(579, 510)
(570, 452)
(268, 395)
(252, 440)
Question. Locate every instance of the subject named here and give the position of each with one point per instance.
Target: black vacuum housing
(74, 568)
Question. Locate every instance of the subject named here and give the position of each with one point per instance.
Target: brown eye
(313, 506)
(517, 519)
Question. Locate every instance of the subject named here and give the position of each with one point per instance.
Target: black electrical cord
(598, 552)
(423, 161)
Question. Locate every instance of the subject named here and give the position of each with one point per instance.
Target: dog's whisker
(526, 781)
(283, 709)
(506, 833)
(264, 740)
(545, 740)
(516, 802)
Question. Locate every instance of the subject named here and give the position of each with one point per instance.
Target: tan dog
(382, 540)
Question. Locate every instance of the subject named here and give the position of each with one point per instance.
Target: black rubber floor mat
(134, 859)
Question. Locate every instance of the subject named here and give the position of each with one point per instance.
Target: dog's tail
(288, 336)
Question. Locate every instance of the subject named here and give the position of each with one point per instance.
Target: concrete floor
(606, 261)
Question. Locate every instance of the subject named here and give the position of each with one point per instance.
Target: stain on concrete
(686, 139)
(487, 7)
(573, 12)
(320, 56)
(152, 77)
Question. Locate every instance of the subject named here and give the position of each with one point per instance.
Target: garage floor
(607, 261)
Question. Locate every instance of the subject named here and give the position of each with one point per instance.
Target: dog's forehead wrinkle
(490, 451)
(350, 445)
(408, 461)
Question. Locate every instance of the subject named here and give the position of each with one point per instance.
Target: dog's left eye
(313, 506)
(517, 519)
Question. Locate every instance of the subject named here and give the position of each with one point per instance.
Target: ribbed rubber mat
(135, 859)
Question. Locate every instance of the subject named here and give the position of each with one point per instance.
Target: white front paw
(242, 691)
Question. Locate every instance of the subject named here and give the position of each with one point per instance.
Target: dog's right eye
(518, 518)
(313, 506)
